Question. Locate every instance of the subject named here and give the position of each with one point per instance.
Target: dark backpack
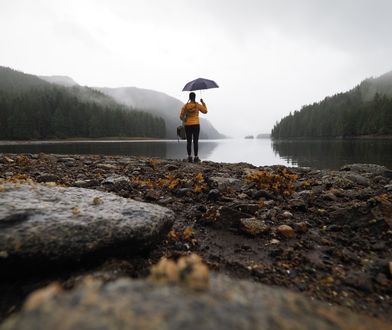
(181, 132)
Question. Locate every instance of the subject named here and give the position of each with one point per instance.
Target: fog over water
(269, 58)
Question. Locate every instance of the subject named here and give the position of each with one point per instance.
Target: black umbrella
(200, 83)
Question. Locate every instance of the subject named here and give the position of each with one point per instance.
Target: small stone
(301, 227)
(8, 160)
(213, 195)
(47, 178)
(171, 167)
(287, 215)
(390, 268)
(286, 231)
(274, 241)
(262, 194)
(151, 195)
(116, 180)
(184, 191)
(388, 187)
(297, 204)
(223, 184)
(3, 254)
(106, 166)
(382, 279)
(253, 226)
(66, 160)
(86, 183)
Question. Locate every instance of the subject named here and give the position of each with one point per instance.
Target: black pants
(192, 132)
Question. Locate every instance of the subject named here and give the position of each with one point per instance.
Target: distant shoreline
(337, 138)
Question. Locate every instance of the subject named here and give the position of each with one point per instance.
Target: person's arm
(183, 112)
(202, 107)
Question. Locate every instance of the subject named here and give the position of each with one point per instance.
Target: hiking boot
(190, 159)
(196, 159)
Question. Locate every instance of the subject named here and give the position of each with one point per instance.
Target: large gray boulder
(51, 223)
(142, 304)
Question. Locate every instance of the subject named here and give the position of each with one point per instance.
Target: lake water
(331, 154)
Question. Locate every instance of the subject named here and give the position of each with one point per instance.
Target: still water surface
(331, 154)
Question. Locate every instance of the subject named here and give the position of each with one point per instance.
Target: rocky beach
(103, 241)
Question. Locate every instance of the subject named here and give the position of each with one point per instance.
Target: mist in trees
(365, 110)
(55, 112)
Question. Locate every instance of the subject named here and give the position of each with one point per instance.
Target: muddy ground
(327, 234)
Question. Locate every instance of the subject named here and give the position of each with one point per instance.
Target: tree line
(56, 112)
(342, 115)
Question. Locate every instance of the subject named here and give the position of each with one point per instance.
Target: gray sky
(269, 57)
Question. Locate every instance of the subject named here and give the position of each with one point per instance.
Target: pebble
(106, 166)
(287, 215)
(286, 231)
(253, 226)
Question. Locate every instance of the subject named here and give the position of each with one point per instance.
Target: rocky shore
(92, 227)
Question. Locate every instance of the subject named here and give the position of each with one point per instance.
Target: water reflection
(330, 154)
(333, 154)
(169, 149)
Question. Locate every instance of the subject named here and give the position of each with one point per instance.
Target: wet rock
(184, 192)
(107, 166)
(171, 167)
(253, 226)
(328, 196)
(286, 231)
(223, 184)
(141, 304)
(359, 280)
(65, 159)
(151, 195)
(47, 178)
(297, 204)
(373, 169)
(390, 268)
(358, 179)
(382, 279)
(40, 223)
(262, 194)
(213, 195)
(287, 215)
(388, 187)
(301, 227)
(116, 180)
(86, 183)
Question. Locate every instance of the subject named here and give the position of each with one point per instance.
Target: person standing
(190, 117)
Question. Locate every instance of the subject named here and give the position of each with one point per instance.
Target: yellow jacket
(190, 112)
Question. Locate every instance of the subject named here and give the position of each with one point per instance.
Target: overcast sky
(269, 57)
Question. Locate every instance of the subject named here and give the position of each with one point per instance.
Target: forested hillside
(31, 108)
(364, 110)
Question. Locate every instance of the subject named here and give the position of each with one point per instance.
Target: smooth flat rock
(143, 304)
(42, 222)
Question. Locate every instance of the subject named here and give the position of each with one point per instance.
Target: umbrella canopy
(200, 83)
